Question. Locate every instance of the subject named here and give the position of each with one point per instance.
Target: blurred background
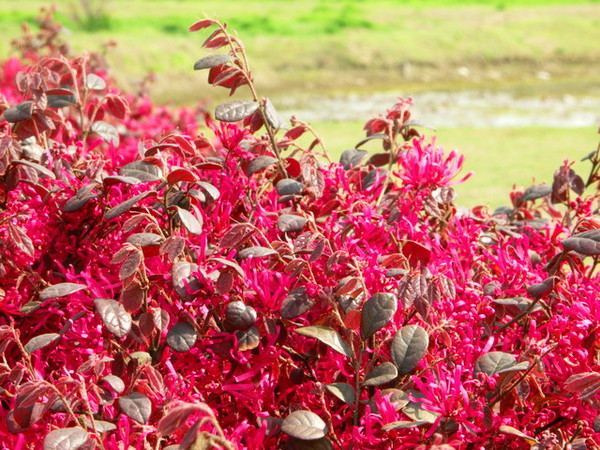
(514, 85)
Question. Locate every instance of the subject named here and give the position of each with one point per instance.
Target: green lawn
(325, 46)
(499, 157)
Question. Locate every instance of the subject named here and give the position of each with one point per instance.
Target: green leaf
(493, 363)
(273, 117)
(408, 347)
(60, 290)
(377, 313)
(415, 411)
(40, 341)
(212, 61)
(343, 391)
(182, 337)
(402, 425)
(235, 110)
(383, 373)
(327, 336)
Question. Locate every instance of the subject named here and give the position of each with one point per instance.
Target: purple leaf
(248, 339)
(115, 318)
(535, 192)
(304, 425)
(41, 169)
(19, 112)
(80, 199)
(173, 246)
(115, 382)
(239, 316)
(106, 131)
(136, 406)
(584, 384)
(318, 444)
(256, 252)
(370, 138)
(586, 243)
(290, 223)
(296, 303)
(60, 290)
(94, 82)
(145, 239)
(352, 157)
(231, 264)
(287, 186)
(189, 221)
(142, 170)
(182, 337)
(126, 205)
(210, 190)
(131, 263)
(160, 318)
(66, 439)
(273, 117)
(179, 174)
(182, 280)
(235, 110)
(259, 163)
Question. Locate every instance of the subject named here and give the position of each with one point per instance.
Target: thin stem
(356, 364)
(595, 165)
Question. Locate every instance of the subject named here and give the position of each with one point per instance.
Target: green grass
(499, 157)
(320, 47)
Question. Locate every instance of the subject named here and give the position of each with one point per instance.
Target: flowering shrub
(170, 280)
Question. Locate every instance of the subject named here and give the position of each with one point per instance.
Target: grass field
(325, 46)
(499, 157)
(328, 47)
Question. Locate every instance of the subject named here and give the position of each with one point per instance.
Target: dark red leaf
(417, 254)
(585, 384)
(199, 25)
(117, 106)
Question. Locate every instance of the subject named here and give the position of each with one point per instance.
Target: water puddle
(456, 109)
